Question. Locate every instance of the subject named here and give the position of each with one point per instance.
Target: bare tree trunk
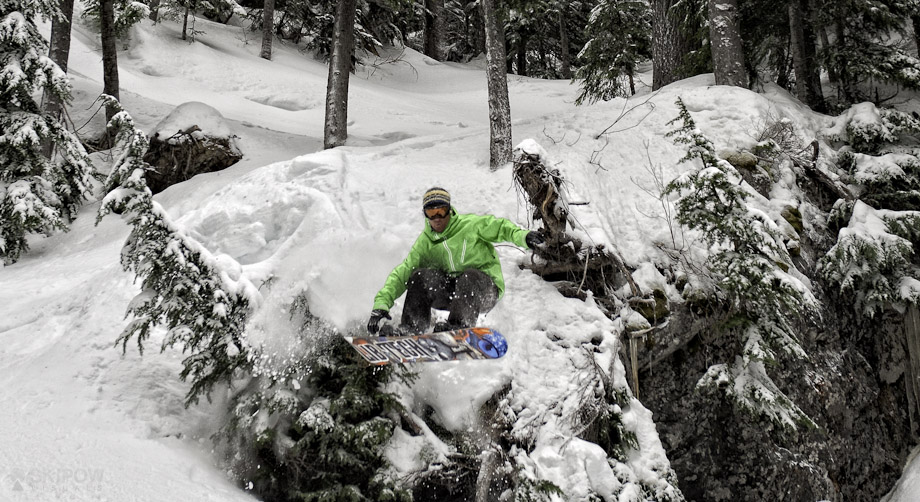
(434, 29)
(912, 375)
(335, 131)
(669, 45)
(279, 28)
(268, 23)
(915, 23)
(185, 24)
(109, 55)
(565, 58)
(499, 105)
(845, 85)
(521, 55)
(725, 39)
(60, 54)
(154, 10)
(804, 56)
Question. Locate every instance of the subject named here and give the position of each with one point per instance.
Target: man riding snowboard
(452, 266)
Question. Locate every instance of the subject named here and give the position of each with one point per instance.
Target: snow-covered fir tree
(874, 263)
(619, 34)
(127, 14)
(37, 194)
(313, 424)
(748, 270)
(863, 47)
(201, 301)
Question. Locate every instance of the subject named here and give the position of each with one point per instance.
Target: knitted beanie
(434, 197)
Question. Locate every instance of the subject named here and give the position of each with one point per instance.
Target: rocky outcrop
(852, 385)
(193, 139)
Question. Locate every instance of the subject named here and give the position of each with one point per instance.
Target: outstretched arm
(494, 229)
(395, 284)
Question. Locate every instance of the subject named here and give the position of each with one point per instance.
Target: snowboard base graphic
(454, 345)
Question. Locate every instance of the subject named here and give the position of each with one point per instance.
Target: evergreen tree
(127, 13)
(184, 287)
(748, 264)
(542, 36)
(874, 264)
(37, 194)
(464, 38)
(619, 34)
(314, 427)
(874, 260)
(862, 48)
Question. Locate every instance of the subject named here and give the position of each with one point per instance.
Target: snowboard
(453, 345)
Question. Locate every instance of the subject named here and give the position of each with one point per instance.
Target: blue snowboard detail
(454, 345)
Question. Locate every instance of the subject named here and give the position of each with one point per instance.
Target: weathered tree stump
(577, 268)
(564, 258)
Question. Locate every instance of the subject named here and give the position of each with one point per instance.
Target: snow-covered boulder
(193, 139)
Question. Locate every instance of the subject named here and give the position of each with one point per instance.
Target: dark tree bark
(845, 85)
(60, 54)
(565, 58)
(725, 40)
(185, 24)
(154, 10)
(109, 56)
(915, 23)
(499, 105)
(335, 131)
(805, 56)
(268, 23)
(521, 55)
(669, 46)
(821, 29)
(434, 29)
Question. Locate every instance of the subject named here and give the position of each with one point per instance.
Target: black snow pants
(465, 296)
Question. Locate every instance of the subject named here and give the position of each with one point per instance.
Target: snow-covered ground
(81, 421)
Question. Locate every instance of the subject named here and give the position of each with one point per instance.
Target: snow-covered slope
(84, 422)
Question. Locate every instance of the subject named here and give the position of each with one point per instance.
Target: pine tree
(37, 195)
(862, 48)
(874, 260)
(314, 426)
(620, 37)
(126, 14)
(184, 288)
(874, 264)
(748, 264)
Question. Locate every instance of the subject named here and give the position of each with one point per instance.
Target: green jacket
(466, 243)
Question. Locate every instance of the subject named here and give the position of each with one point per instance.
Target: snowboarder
(452, 266)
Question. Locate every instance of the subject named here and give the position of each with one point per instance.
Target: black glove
(534, 240)
(374, 323)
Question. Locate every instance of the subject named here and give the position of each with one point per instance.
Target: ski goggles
(437, 213)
